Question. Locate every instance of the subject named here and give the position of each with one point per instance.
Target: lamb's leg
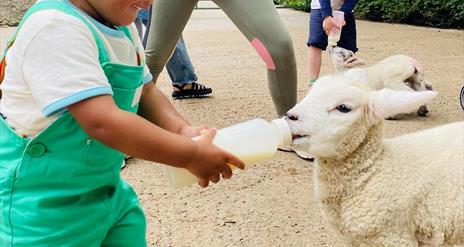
(423, 109)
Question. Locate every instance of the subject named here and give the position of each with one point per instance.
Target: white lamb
(404, 191)
(397, 72)
(344, 59)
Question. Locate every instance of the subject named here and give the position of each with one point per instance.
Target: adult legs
(179, 66)
(182, 74)
(259, 21)
(138, 24)
(168, 20)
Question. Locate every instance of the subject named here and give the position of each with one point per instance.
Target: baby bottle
(336, 31)
(251, 141)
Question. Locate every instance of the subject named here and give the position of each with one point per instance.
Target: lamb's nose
(292, 116)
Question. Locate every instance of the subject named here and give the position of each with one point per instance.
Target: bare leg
(314, 62)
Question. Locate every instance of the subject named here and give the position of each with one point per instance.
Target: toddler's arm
(131, 134)
(156, 108)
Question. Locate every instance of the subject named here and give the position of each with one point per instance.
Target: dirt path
(273, 204)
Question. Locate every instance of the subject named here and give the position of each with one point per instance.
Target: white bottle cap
(283, 132)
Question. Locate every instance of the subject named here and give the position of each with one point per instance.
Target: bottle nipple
(283, 132)
(332, 42)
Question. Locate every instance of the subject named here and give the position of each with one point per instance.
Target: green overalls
(63, 188)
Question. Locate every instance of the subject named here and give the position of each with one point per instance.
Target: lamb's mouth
(299, 139)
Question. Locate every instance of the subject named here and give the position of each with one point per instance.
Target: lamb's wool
(400, 186)
(404, 191)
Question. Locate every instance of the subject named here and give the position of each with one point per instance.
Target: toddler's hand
(192, 131)
(211, 162)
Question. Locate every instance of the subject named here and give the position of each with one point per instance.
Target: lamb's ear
(386, 102)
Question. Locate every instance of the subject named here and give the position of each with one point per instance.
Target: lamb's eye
(343, 108)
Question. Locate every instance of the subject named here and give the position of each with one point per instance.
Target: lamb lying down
(344, 59)
(397, 72)
(404, 191)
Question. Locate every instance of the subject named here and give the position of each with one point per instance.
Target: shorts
(318, 37)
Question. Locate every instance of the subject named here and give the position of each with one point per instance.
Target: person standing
(320, 23)
(179, 66)
(258, 20)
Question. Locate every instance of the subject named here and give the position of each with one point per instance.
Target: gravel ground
(273, 203)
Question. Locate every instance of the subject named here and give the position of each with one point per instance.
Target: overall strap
(126, 31)
(128, 34)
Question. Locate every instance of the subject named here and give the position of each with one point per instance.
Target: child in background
(74, 78)
(320, 23)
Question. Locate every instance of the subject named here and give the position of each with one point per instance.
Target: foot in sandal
(190, 90)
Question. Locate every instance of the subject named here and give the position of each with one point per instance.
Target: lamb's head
(337, 113)
(344, 59)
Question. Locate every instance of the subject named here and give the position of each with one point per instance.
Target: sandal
(196, 91)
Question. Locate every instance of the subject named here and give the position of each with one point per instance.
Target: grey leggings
(257, 20)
